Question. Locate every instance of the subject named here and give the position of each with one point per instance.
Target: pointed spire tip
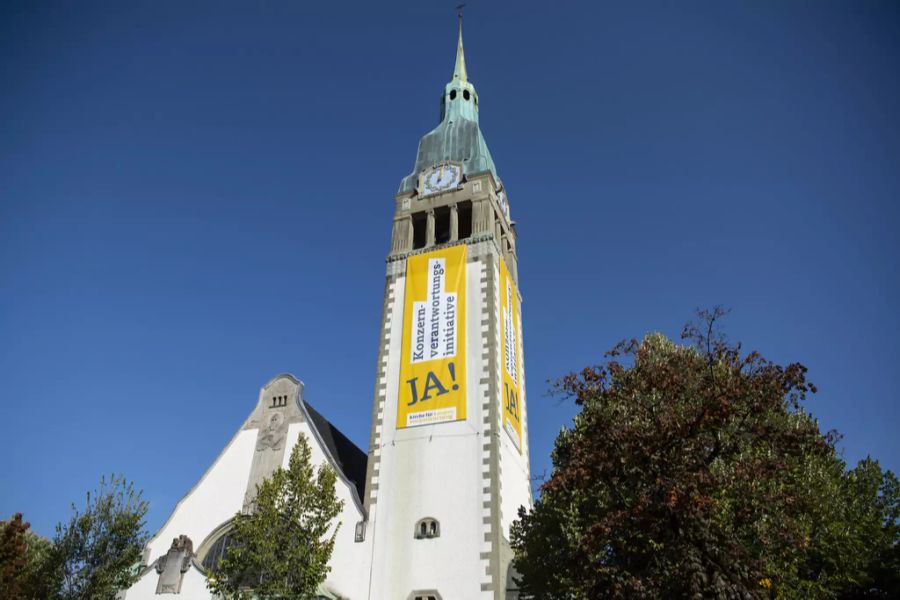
(459, 71)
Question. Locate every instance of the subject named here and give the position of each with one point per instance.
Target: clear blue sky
(196, 196)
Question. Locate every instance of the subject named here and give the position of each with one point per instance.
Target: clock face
(440, 178)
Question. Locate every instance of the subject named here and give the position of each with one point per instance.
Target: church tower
(448, 462)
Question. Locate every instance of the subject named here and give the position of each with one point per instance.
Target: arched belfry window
(427, 528)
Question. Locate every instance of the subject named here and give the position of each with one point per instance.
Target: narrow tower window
(453, 94)
(465, 220)
(442, 225)
(420, 226)
(427, 528)
(466, 94)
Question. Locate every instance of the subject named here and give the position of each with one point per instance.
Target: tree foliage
(693, 471)
(13, 548)
(282, 548)
(93, 555)
(22, 557)
(90, 558)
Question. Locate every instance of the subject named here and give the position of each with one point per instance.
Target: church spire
(458, 137)
(459, 70)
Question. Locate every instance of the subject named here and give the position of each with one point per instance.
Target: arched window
(214, 548)
(216, 553)
(427, 528)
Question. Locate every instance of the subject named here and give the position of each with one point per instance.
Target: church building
(427, 510)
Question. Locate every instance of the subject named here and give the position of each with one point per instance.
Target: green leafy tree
(282, 548)
(93, 555)
(693, 471)
(852, 548)
(23, 556)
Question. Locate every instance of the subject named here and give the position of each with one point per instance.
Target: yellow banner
(433, 367)
(513, 392)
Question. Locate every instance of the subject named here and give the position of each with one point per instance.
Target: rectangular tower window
(442, 225)
(420, 227)
(465, 220)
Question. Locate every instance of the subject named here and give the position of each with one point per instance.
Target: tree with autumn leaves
(694, 471)
(92, 556)
(23, 555)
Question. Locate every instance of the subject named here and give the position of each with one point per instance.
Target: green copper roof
(458, 137)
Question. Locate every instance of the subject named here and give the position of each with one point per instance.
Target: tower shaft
(448, 461)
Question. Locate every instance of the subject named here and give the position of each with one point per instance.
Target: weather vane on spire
(459, 11)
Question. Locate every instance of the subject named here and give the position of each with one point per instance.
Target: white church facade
(427, 510)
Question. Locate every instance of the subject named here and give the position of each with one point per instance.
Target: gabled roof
(350, 459)
(343, 455)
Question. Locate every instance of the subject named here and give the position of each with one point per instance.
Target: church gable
(281, 405)
(278, 407)
(262, 445)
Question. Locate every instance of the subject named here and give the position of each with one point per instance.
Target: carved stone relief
(272, 436)
(277, 408)
(174, 565)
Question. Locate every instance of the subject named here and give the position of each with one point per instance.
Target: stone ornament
(272, 437)
(174, 565)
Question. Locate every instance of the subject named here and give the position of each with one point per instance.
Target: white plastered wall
(193, 587)
(432, 471)
(515, 483)
(214, 500)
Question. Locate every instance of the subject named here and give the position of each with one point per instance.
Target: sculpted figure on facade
(174, 565)
(272, 437)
